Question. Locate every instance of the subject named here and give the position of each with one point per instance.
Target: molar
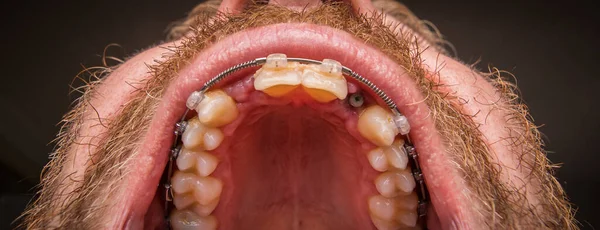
(184, 219)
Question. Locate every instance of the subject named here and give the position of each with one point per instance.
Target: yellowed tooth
(325, 82)
(212, 138)
(385, 184)
(217, 109)
(384, 224)
(407, 218)
(376, 125)
(405, 182)
(205, 210)
(193, 136)
(207, 189)
(186, 159)
(183, 182)
(378, 160)
(206, 163)
(396, 154)
(182, 201)
(408, 202)
(185, 219)
(382, 207)
(277, 77)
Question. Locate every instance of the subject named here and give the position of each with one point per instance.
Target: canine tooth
(186, 159)
(182, 201)
(382, 207)
(378, 160)
(192, 137)
(396, 154)
(206, 163)
(217, 109)
(277, 78)
(326, 82)
(386, 184)
(183, 182)
(408, 218)
(405, 181)
(184, 219)
(376, 124)
(212, 138)
(205, 210)
(207, 189)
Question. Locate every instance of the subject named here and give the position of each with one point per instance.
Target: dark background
(551, 47)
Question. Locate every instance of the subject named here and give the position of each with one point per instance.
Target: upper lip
(295, 40)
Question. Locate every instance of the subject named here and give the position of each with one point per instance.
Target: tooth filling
(196, 193)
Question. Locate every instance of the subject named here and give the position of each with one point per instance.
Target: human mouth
(363, 168)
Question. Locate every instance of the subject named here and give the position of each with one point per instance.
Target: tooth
(325, 82)
(384, 224)
(182, 201)
(183, 182)
(396, 154)
(376, 125)
(408, 202)
(207, 189)
(184, 219)
(186, 159)
(378, 160)
(277, 78)
(192, 137)
(405, 181)
(205, 210)
(382, 207)
(386, 184)
(206, 163)
(408, 218)
(217, 109)
(212, 138)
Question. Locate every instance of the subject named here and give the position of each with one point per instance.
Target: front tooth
(217, 109)
(184, 219)
(376, 125)
(382, 207)
(396, 154)
(206, 163)
(207, 189)
(378, 160)
(325, 82)
(277, 77)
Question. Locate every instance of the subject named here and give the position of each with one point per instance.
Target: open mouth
(291, 145)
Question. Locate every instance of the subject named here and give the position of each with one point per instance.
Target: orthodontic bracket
(277, 60)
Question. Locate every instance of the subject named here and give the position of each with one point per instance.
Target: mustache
(64, 201)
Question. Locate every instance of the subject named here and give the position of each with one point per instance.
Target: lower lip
(295, 40)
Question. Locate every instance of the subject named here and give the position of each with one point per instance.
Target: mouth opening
(269, 153)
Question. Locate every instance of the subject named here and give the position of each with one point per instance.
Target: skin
(501, 176)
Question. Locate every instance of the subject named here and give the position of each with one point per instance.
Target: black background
(552, 48)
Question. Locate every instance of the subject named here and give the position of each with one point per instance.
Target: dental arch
(328, 66)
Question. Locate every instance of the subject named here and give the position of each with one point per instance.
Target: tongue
(291, 167)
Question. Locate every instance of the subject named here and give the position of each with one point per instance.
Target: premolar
(376, 124)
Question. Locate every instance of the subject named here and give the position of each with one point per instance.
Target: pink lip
(305, 41)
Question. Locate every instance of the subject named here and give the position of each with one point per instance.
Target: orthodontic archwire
(399, 120)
